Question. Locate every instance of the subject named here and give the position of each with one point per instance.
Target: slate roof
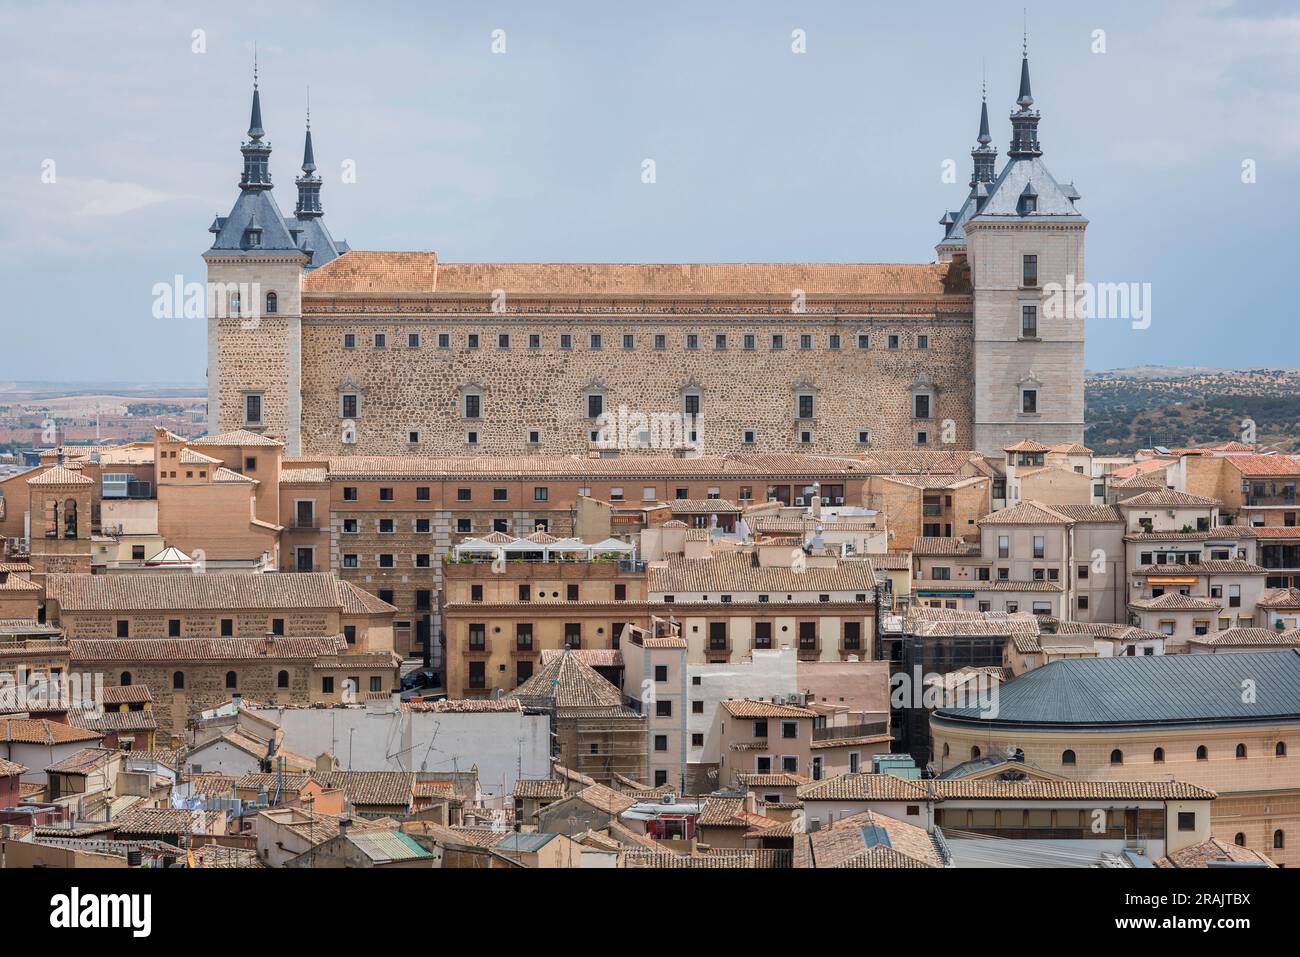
(572, 683)
(1165, 690)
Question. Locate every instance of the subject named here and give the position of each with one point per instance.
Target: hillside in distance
(1128, 409)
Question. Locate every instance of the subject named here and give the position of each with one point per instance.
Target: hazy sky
(535, 154)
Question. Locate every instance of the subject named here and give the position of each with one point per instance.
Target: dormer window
(253, 236)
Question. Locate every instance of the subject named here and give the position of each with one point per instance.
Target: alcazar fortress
(353, 352)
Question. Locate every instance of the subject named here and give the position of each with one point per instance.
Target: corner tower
(1024, 240)
(255, 269)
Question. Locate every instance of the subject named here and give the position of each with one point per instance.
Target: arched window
(125, 680)
(1241, 750)
(282, 679)
(1279, 839)
(272, 303)
(232, 680)
(1280, 749)
(1158, 756)
(974, 754)
(1117, 756)
(1239, 840)
(1202, 753)
(1067, 757)
(178, 680)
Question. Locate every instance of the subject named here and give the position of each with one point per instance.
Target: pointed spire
(257, 154)
(255, 131)
(308, 183)
(308, 157)
(1024, 122)
(985, 155)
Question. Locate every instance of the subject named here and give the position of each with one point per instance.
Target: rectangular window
(1029, 271)
(413, 340)
(720, 342)
(444, 340)
(921, 406)
(385, 495)
(349, 406)
(778, 342)
(805, 342)
(1028, 321)
(834, 341)
(541, 493)
(381, 340)
(923, 342)
(595, 406)
(806, 406)
(349, 340)
(864, 341)
(692, 341)
(892, 342)
(566, 341)
(749, 342)
(534, 341)
(596, 341)
(1029, 401)
(629, 341)
(473, 406)
(503, 340)
(253, 409)
(661, 341)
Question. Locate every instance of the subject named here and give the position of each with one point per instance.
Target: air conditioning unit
(839, 500)
(115, 484)
(800, 501)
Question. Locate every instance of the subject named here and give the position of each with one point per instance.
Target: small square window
(749, 437)
(349, 340)
(864, 341)
(444, 340)
(692, 341)
(596, 341)
(720, 342)
(749, 342)
(413, 340)
(503, 340)
(805, 342)
(834, 341)
(778, 342)
(864, 437)
(381, 340)
(629, 341)
(661, 341)
(892, 342)
(471, 340)
(534, 437)
(534, 341)
(413, 437)
(923, 342)
(566, 341)
(471, 438)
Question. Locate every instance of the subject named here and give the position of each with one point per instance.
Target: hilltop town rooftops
(745, 708)
(1168, 498)
(42, 731)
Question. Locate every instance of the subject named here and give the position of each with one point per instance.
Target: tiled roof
(220, 856)
(224, 474)
(1234, 566)
(667, 860)
(42, 731)
(237, 437)
(1213, 851)
(1175, 601)
(1249, 638)
(723, 812)
(191, 457)
(1033, 789)
(60, 475)
(1279, 598)
(702, 506)
(572, 683)
(10, 769)
(1146, 690)
(780, 780)
(201, 649)
(539, 788)
(114, 721)
(732, 573)
(605, 799)
(388, 788)
(82, 762)
(1002, 584)
(1122, 633)
(1226, 533)
(164, 820)
(16, 583)
(420, 273)
(864, 787)
(127, 694)
(358, 601)
(465, 706)
(925, 547)
(307, 476)
(871, 840)
(387, 846)
(1250, 465)
(1026, 513)
(1027, 445)
(190, 592)
(744, 708)
(596, 657)
(1090, 514)
(1071, 448)
(1167, 498)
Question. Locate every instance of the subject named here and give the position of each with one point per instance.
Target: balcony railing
(850, 731)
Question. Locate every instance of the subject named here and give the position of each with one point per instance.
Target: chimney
(751, 803)
(344, 824)
(817, 500)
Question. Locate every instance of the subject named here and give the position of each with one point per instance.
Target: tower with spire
(1023, 238)
(257, 260)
